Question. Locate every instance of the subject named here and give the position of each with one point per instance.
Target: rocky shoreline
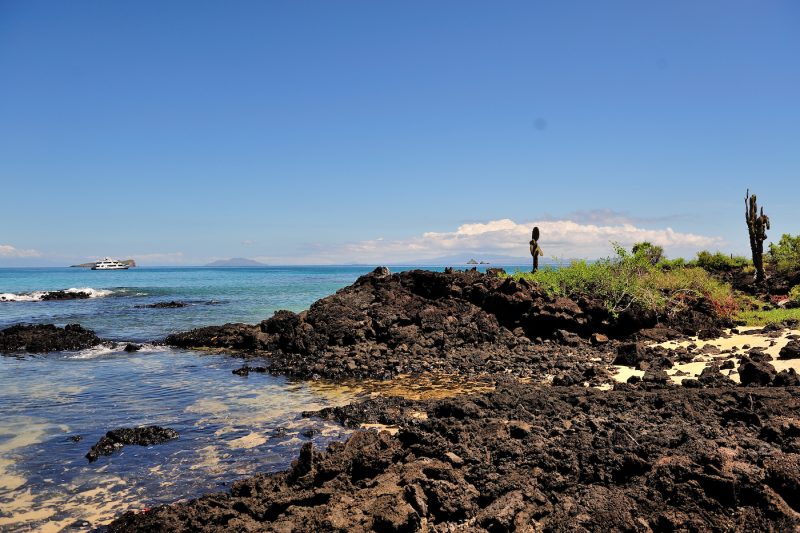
(585, 420)
(526, 458)
(451, 322)
(546, 450)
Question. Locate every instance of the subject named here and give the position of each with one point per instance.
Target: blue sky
(332, 132)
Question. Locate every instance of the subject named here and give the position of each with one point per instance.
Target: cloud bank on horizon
(560, 239)
(6, 250)
(577, 236)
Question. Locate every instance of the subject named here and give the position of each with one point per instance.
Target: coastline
(604, 451)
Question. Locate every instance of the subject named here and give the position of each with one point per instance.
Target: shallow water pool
(230, 427)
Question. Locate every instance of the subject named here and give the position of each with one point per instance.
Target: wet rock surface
(43, 338)
(246, 370)
(529, 458)
(65, 295)
(164, 305)
(116, 439)
(458, 322)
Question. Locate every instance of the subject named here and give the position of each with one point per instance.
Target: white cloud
(6, 250)
(559, 238)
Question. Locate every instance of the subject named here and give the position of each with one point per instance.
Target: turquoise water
(230, 426)
(216, 296)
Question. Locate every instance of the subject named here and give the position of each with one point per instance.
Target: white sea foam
(37, 296)
(115, 348)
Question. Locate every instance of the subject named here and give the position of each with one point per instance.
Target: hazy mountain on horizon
(235, 262)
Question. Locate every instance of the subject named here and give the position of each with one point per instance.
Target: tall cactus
(757, 226)
(536, 250)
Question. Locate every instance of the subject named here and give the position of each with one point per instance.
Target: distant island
(474, 262)
(130, 262)
(235, 262)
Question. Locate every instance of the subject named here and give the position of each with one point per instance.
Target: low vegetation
(719, 262)
(643, 279)
(639, 280)
(794, 295)
(770, 316)
(785, 255)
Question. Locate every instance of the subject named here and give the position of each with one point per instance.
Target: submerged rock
(143, 436)
(43, 338)
(245, 370)
(163, 305)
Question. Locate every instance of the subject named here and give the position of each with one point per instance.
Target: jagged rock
(755, 372)
(164, 305)
(65, 295)
(712, 377)
(245, 370)
(421, 321)
(626, 460)
(43, 338)
(143, 436)
(786, 378)
(790, 351)
(568, 338)
(631, 354)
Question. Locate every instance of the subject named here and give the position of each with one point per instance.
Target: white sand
(731, 347)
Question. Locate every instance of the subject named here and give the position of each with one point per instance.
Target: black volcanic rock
(570, 459)
(790, 351)
(42, 338)
(65, 295)
(419, 321)
(163, 305)
(143, 436)
(245, 370)
(755, 372)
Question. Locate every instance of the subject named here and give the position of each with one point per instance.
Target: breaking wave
(38, 296)
(113, 348)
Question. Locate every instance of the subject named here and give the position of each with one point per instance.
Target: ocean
(213, 295)
(53, 407)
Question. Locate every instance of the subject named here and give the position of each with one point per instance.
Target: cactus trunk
(757, 226)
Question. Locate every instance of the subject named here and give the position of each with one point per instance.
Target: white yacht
(110, 264)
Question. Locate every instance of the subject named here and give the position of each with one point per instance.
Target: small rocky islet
(44, 338)
(116, 439)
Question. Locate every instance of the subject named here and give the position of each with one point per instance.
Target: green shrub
(794, 294)
(672, 264)
(719, 262)
(632, 281)
(649, 251)
(785, 255)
